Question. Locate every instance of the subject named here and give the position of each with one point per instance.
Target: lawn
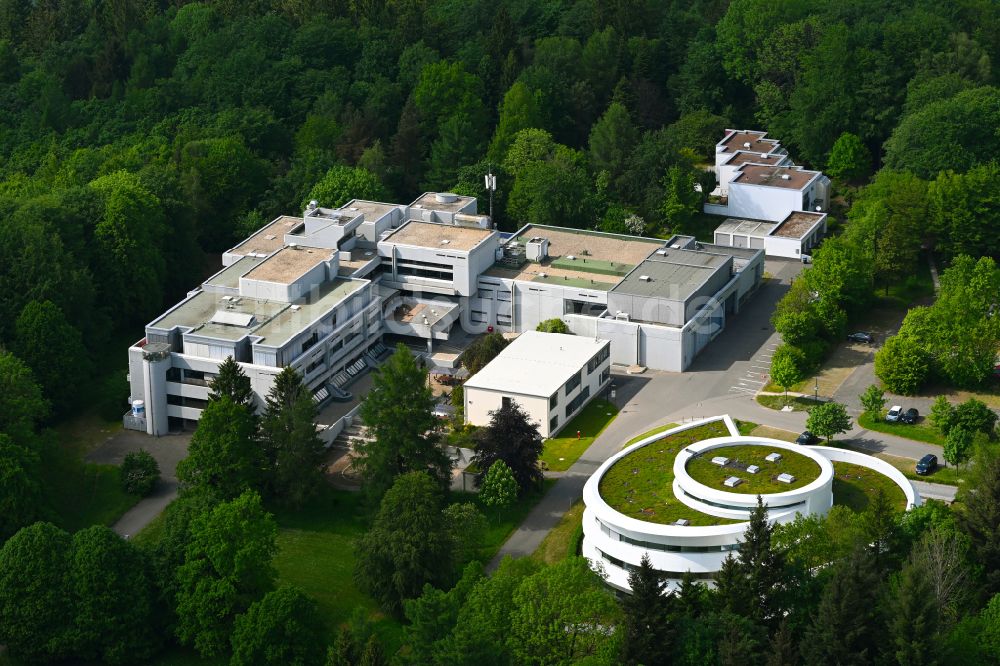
(775, 433)
(560, 453)
(855, 487)
(563, 539)
(512, 516)
(922, 432)
(745, 428)
(798, 404)
(316, 554)
(703, 470)
(82, 494)
(951, 476)
(640, 485)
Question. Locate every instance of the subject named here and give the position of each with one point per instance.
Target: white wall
(762, 202)
(480, 402)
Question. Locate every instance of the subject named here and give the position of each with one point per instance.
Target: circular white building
(683, 496)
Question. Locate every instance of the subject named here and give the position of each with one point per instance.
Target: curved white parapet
(882, 467)
(615, 542)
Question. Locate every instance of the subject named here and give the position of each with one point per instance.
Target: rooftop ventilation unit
(645, 278)
(662, 253)
(445, 197)
(445, 242)
(732, 482)
(296, 308)
(292, 246)
(784, 477)
(785, 176)
(773, 457)
(746, 144)
(571, 257)
(720, 460)
(764, 155)
(313, 205)
(683, 522)
(541, 275)
(753, 469)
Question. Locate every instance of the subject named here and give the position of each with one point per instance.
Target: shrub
(902, 364)
(555, 325)
(975, 416)
(139, 473)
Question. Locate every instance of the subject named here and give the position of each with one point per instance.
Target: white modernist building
(551, 376)
(759, 183)
(318, 292)
(617, 542)
(794, 236)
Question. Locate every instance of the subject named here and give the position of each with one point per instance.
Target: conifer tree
(649, 636)
(292, 449)
(232, 382)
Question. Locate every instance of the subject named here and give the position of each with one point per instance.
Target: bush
(902, 364)
(139, 473)
(975, 416)
(555, 325)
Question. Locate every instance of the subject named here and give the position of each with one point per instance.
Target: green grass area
(498, 531)
(590, 265)
(921, 432)
(316, 553)
(563, 539)
(560, 453)
(83, 494)
(798, 404)
(745, 428)
(640, 485)
(950, 476)
(855, 487)
(582, 283)
(704, 471)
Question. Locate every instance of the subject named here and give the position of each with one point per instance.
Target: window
(503, 296)
(310, 341)
(553, 424)
(485, 293)
(506, 402)
(599, 358)
(606, 375)
(575, 403)
(315, 364)
(573, 382)
(554, 400)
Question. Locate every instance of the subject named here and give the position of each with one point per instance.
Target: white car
(894, 413)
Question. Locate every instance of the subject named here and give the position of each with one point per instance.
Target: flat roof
(536, 364)
(372, 210)
(291, 320)
(751, 174)
(749, 157)
(738, 140)
(269, 238)
(741, 252)
(230, 275)
(289, 264)
(677, 274)
(798, 224)
(758, 228)
(196, 312)
(433, 201)
(584, 244)
(418, 311)
(433, 235)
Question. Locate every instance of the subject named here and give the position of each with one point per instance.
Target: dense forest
(139, 139)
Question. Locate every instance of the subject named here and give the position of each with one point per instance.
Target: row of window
(732, 507)
(669, 548)
(598, 359)
(575, 403)
(573, 382)
(676, 575)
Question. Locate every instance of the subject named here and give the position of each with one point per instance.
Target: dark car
(910, 416)
(861, 336)
(806, 438)
(927, 464)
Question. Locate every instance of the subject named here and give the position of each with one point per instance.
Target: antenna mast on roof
(491, 185)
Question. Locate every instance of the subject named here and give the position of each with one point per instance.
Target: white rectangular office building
(551, 376)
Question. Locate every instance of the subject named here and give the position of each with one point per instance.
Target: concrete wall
(761, 202)
(480, 402)
(465, 267)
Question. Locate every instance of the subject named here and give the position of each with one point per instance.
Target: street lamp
(816, 390)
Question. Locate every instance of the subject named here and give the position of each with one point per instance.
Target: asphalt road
(715, 384)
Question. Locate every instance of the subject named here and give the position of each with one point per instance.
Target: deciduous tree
(873, 401)
(139, 473)
(227, 567)
(902, 364)
(53, 349)
(512, 438)
(482, 351)
(554, 325)
(499, 488)
(828, 419)
(407, 546)
(283, 628)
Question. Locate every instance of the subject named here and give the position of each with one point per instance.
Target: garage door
(723, 239)
(739, 241)
(756, 243)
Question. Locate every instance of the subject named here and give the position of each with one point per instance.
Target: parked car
(894, 413)
(910, 416)
(927, 464)
(861, 336)
(806, 438)
(806, 258)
